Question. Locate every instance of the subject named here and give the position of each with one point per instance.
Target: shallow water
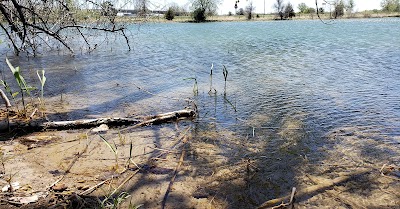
(294, 88)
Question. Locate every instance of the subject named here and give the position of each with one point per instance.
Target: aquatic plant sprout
(195, 86)
(114, 149)
(42, 80)
(21, 82)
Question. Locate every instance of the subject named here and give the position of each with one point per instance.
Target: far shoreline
(258, 18)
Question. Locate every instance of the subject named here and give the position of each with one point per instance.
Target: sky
(228, 5)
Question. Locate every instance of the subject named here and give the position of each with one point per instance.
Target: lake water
(319, 78)
(343, 74)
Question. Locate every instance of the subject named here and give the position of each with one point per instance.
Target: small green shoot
(114, 203)
(212, 89)
(23, 86)
(195, 86)
(114, 149)
(225, 73)
(129, 161)
(130, 153)
(42, 80)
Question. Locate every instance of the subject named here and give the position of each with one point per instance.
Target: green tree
(339, 9)
(240, 12)
(350, 6)
(311, 10)
(170, 14)
(108, 9)
(289, 11)
(199, 15)
(302, 8)
(390, 5)
(204, 8)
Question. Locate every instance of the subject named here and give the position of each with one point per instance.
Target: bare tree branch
(32, 25)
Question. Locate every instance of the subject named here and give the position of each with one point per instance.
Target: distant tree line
(201, 9)
(339, 8)
(390, 5)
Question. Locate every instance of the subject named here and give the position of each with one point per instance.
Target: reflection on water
(293, 84)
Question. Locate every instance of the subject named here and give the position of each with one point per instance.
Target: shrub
(170, 15)
(199, 15)
(240, 12)
(289, 11)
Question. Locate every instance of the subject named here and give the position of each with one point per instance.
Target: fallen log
(166, 117)
(86, 123)
(89, 123)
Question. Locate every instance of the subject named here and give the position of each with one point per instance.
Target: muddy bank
(218, 168)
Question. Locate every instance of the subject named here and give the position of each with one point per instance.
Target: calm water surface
(330, 76)
(300, 95)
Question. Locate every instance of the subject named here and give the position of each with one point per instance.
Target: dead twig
(165, 117)
(172, 179)
(389, 168)
(291, 201)
(180, 138)
(312, 190)
(5, 99)
(77, 156)
(183, 152)
(33, 113)
(56, 182)
(11, 202)
(91, 189)
(122, 184)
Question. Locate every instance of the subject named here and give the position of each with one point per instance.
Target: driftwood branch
(290, 203)
(85, 123)
(312, 190)
(164, 118)
(89, 123)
